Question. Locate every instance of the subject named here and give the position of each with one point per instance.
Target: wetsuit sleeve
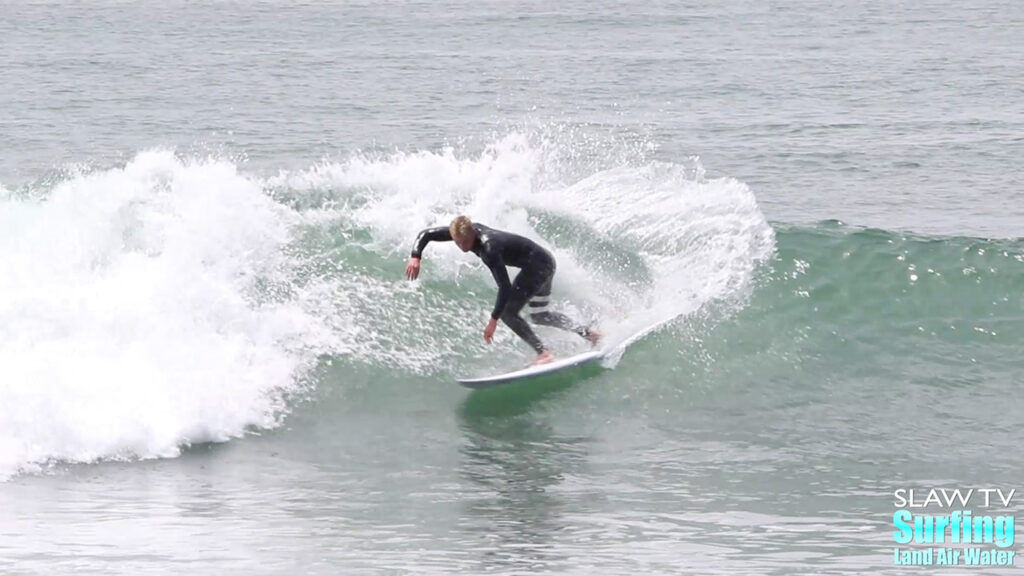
(439, 234)
(497, 267)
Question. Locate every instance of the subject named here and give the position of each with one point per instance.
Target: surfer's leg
(540, 314)
(523, 330)
(521, 289)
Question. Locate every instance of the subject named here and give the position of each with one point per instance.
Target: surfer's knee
(511, 318)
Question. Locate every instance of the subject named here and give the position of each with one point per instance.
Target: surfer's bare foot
(593, 336)
(543, 358)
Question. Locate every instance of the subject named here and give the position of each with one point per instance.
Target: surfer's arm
(439, 234)
(497, 267)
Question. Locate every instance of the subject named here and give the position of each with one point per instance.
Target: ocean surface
(211, 362)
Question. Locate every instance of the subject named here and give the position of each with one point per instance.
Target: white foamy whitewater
(135, 316)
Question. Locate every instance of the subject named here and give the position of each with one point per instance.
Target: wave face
(872, 316)
(173, 301)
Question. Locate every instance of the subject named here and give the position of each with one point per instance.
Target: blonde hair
(460, 226)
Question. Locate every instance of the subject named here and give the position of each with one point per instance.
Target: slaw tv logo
(971, 527)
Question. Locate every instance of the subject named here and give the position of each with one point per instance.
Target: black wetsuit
(498, 249)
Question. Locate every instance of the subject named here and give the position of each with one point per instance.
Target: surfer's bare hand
(489, 330)
(412, 269)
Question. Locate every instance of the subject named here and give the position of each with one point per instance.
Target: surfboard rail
(533, 371)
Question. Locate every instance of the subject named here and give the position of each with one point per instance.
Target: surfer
(498, 249)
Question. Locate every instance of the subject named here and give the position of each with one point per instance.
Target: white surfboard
(533, 371)
(592, 357)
